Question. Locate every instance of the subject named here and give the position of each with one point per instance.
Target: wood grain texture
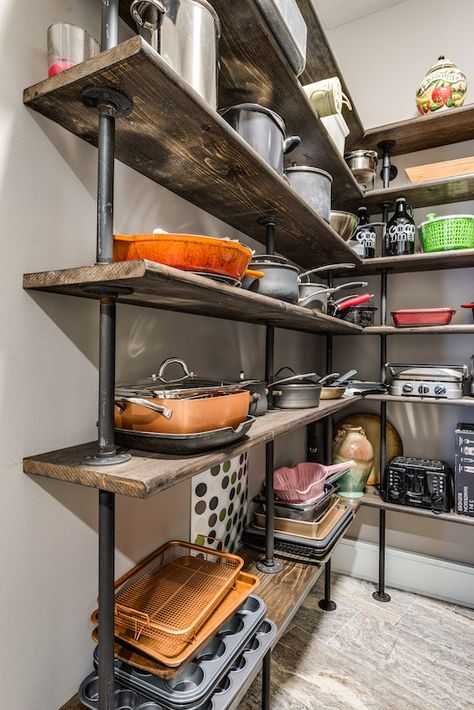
(440, 170)
(173, 137)
(422, 132)
(321, 64)
(147, 473)
(158, 286)
(463, 402)
(373, 500)
(255, 69)
(423, 330)
(457, 259)
(422, 194)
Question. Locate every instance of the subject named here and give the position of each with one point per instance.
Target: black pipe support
(327, 604)
(381, 595)
(106, 599)
(266, 680)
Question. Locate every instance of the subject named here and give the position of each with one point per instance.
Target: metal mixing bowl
(343, 223)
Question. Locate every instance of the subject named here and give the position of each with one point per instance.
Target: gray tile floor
(414, 653)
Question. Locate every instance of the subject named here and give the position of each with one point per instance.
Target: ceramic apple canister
(351, 443)
(443, 87)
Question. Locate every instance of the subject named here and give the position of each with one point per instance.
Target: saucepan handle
(170, 361)
(121, 401)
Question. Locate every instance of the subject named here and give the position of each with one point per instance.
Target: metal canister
(186, 33)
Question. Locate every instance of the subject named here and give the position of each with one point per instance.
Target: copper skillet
(184, 405)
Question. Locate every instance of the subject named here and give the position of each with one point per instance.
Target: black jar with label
(365, 234)
(401, 230)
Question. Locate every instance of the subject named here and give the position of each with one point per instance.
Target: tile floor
(414, 653)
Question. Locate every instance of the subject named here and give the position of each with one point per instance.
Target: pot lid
(257, 108)
(308, 169)
(157, 386)
(269, 258)
(432, 374)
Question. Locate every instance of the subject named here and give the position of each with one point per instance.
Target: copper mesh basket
(171, 594)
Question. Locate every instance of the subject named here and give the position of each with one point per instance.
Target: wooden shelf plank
(146, 473)
(456, 259)
(254, 69)
(422, 194)
(373, 500)
(158, 286)
(321, 64)
(463, 402)
(173, 137)
(431, 330)
(422, 132)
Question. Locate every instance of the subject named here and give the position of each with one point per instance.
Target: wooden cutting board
(438, 171)
(371, 425)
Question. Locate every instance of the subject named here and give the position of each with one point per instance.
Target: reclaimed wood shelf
(254, 69)
(373, 500)
(462, 402)
(146, 283)
(199, 156)
(421, 194)
(427, 330)
(422, 132)
(147, 473)
(441, 260)
(283, 594)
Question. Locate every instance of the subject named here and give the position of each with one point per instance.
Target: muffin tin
(243, 668)
(200, 677)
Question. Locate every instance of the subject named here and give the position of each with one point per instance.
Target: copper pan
(182, 416)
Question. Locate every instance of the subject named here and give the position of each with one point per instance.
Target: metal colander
(173, 592)
(445, 233)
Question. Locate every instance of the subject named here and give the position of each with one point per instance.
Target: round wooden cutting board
(371, 425)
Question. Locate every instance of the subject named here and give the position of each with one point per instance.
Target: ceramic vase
(351, 443)
(443, 87)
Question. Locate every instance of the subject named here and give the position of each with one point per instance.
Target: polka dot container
(219, 502)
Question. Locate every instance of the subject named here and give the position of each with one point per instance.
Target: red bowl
(422, 316)
(469, 305)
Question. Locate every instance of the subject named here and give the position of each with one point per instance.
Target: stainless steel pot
(186, 33)
(316, 296)
(297, 391)
(280, 278)
(314, 186)
(363, 165)
(264, 130)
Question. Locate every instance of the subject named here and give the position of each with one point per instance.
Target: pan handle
(120, 401)
(137, 7)
(160, 376)
(252, 274)
(350, 285)
(327, 378)
(328, 267)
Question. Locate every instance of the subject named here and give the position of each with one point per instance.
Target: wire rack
(173, 592)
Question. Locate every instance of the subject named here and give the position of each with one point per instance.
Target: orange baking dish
(188, 252)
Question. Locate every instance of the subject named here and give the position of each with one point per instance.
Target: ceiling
(333, 13)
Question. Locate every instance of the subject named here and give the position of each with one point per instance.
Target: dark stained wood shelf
(422, 132)
(254, 69)
(423, 330)
(146, 473)
(199, 156)
(463, 402)
(158, 286)
(442, 260)
(321, 64)
(373, 500)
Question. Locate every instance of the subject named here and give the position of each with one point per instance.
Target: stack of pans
(188, 630)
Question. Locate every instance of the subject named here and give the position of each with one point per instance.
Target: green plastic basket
(444, 233)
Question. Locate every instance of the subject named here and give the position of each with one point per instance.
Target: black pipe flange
(106, 100)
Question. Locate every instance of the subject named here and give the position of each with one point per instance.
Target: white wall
(383, 57)
(48, 372)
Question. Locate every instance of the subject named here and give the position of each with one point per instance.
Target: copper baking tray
(147, 653)
(300, 528)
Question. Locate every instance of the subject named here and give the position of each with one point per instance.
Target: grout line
(353, 617)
